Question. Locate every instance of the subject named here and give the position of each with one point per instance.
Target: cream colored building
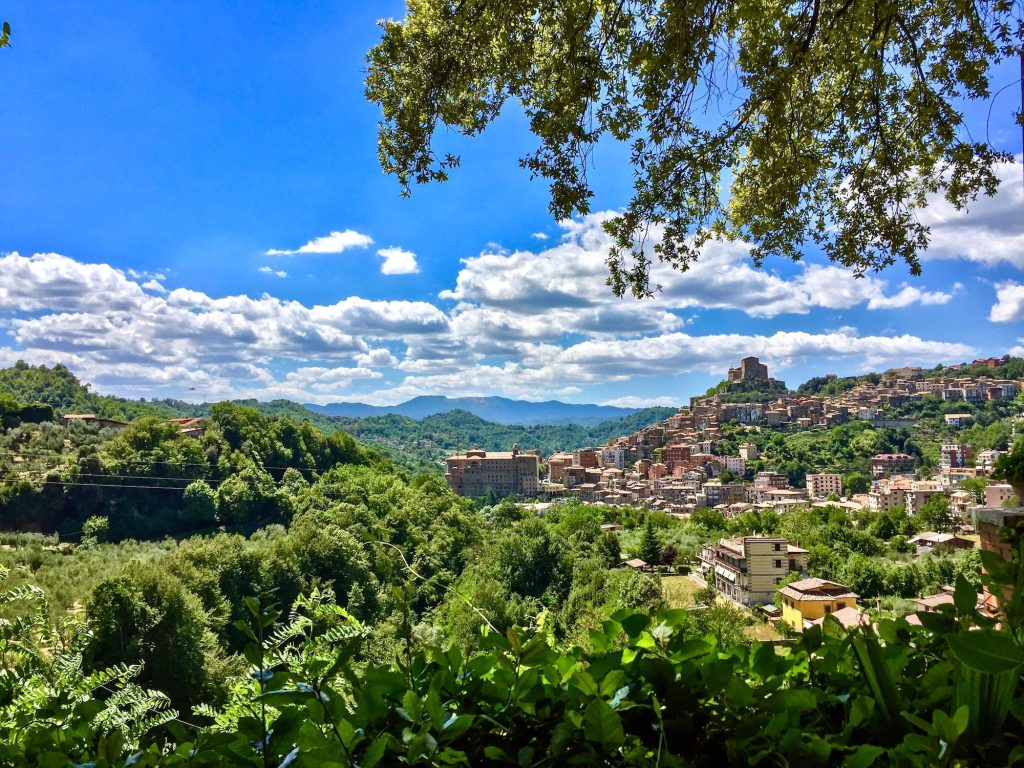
(749, 451)
(821, 485)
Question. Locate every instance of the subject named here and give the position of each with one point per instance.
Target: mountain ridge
(499, 410)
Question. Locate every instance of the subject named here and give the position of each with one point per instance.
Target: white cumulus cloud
(398, 261)
(336, 242)
(989, 231)
(1009, 306)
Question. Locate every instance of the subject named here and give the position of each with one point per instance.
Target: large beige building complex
(750, 569)
(477, 473)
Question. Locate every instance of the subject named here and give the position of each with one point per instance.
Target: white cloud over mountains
(524, 324)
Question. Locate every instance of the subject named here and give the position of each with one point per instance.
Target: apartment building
(557, 464)
(821, 485)
(767, 480)
(887, 495)
(736, 464)
(676, 456)
(998, 494)
(750, 569)
(885, 464)
(716, 492)
(986, 461)
(614, 456)
(919, 493)
(478, 472)
(954, 456)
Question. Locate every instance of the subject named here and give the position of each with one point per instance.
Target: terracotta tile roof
(817, 589)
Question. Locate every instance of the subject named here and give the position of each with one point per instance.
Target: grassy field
(679, 591)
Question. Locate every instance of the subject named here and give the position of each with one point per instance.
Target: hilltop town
(698, 457)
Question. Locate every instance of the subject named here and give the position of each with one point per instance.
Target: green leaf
(496, 753)
(375, 752)
(433, 708)
(996, 567)
(455, 726)
(601, 724)
(986, 651)
(965, 597)
(635, 623)
(412, 704)
(52, 760)
(861, 710)
(864, 756)
(945, 727)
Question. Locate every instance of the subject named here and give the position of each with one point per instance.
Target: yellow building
(810, 599)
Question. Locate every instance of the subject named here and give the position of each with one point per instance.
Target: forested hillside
(149, 479)
(59, 388)
(423, 443)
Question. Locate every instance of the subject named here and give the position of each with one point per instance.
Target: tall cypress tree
(650, 546)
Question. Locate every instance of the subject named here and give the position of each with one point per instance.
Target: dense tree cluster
(846, 448)
(149, 479)
(14, 413)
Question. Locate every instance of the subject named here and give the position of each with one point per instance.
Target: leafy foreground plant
(51, 709)
(642, 693)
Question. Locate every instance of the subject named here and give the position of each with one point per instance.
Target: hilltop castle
(753, 370)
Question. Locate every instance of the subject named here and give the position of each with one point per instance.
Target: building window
(828, 609)
(778, 563)
(778, 547)
(840, 606)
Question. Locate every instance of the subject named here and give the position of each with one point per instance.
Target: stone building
(477, 473)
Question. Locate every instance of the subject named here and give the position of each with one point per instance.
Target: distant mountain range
(499, 410)
(419, 444)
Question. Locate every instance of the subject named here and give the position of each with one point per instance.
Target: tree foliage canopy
(784, 125)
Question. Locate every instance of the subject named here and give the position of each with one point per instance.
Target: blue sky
(153, 153)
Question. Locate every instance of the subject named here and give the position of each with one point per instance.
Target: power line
(114, 485)
(126, 477)
(53, 454)
(187, 481)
